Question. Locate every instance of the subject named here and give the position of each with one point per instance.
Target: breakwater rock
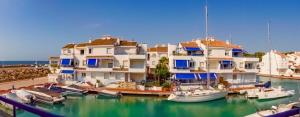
(12, 74)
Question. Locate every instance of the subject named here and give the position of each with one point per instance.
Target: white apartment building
(187, 62)
(154, 54)
(107, 60)
(281, 64)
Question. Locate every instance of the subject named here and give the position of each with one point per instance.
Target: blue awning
(203, 76)
(67, 71)
(193, 49)
(185, 76)
(92, 62)
(226, 62)
(237, 50)
(181, 63)
(66, 62)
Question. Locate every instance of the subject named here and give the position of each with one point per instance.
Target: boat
(265, 91)
(63, 91)
(197, 95)
(75, 88)
(112, 94)
(276, 110)
(275, 93)
(200, 94)
(44, 95)
(24, 95)
(13, 96)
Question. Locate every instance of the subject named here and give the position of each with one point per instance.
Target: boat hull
(202, 98)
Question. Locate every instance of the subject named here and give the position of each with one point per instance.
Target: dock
(135, 92)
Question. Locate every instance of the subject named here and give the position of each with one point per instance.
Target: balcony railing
(28, 108)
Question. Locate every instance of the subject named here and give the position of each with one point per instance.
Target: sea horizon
(20, 62)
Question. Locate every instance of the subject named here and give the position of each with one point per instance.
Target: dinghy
(107, 93)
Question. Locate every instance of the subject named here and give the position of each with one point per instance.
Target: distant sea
(23, 62)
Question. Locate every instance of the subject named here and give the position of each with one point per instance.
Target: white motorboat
(269, 93)
(46, 96)
(197, 95)
(74, 88)
(24, 95)
(275, 93)
(275, 110)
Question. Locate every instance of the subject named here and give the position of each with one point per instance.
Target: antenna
(207, 42)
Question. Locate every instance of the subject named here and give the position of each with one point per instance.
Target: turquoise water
(131, 106)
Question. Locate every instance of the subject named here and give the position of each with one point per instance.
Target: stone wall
(12, 74)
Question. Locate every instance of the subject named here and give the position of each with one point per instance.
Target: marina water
(133, 106)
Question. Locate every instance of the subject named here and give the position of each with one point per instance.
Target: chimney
(227, 42)
(90, 41)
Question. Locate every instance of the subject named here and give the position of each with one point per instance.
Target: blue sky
(36, 29)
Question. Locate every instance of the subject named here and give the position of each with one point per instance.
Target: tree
(161, 71)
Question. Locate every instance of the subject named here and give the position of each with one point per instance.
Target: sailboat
(268, 92)
(200, 94)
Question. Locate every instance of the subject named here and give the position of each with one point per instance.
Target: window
(83, 62)
(234, 77)
(118, 76)
(241, 65)
(192, 64)
(83, 75)
(202, 64)
(106, 75)
(81, 52)
(90, 50)
(125, 63)
(110, 65)
(249, 66)
(69, 51)
(153, 55)
(153, 62)
(148, 56)
(209, 52)
(226, 53)
(108, 51)
(93, 75)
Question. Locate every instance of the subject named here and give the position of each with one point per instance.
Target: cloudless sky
(37, 29)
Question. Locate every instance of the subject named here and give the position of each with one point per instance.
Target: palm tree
(162, 70)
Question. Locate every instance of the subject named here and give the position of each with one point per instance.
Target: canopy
(193, 49)
(66, 62)
(226, 62)
(185, 76)
(92, 62)
(203, 76)
(267, 84)
(237, 50)
(182, 63)
(67, 71)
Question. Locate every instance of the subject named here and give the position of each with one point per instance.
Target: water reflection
(135, 106)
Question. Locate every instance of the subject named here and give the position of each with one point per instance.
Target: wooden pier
(134, 92)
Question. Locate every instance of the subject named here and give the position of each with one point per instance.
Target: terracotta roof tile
(128, 43)
(189, 44)
(219, 43)
(280, 54)
(69, 46)
(110, 41)
(158, 49)
(82, 44)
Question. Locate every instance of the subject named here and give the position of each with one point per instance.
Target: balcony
(137, 65)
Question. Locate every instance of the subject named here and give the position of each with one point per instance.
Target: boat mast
(207, 45)
(270, 48)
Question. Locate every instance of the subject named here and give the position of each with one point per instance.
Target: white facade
(116, 60)
(237, 70)
(274, 63)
